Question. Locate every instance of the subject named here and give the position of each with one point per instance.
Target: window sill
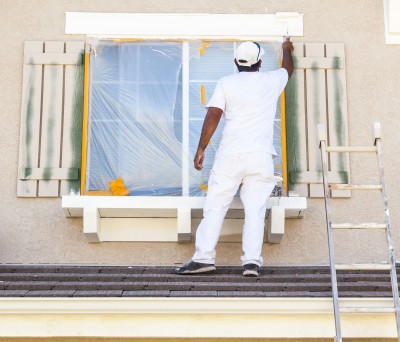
(166, 218)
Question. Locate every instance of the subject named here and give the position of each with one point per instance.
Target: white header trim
(392, 21)
(186, 25)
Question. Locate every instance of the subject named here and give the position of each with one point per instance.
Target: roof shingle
(161, 281)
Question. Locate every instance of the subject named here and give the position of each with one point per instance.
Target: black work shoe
(193, 267)
(251, 270)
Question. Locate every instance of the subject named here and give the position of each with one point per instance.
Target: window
(146, 110)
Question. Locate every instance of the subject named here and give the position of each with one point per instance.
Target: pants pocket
(266, 166)
(225, 165)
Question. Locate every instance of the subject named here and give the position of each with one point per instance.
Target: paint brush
(285, 17)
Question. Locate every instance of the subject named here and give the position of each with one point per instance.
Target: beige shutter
(51, 119)
(316, 94)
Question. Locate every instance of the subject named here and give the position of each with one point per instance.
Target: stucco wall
(36, 230)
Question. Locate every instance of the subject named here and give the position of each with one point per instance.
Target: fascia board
(184, 25)
(202, 317)
(169, 305)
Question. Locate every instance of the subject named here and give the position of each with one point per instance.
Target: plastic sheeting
(137, 118)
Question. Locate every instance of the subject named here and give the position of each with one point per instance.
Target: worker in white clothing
(244, 159)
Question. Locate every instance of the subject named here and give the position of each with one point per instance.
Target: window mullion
(185, 118)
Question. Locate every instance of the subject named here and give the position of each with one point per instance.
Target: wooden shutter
(316, 94)
(51, 119)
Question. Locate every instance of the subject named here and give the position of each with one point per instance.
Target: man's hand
(198, 159)
(287, 60)
(287, 45)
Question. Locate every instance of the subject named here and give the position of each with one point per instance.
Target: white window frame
(185, 173)
(185, 26)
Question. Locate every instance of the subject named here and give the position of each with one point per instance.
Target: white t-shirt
(249, 101)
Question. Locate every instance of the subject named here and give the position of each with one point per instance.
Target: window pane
(210, 61)
(133, 100)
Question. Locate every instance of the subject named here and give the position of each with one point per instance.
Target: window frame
(181, 26)
(185, 122)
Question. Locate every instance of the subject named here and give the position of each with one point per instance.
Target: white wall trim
(160, 218)
(191, 317)
(73, 205)
(392, 21)
(261, 27)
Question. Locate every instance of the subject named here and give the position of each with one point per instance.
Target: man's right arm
(287, 60)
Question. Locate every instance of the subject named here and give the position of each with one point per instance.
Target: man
(244, 159)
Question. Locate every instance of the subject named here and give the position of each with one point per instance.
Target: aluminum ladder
(377, 149)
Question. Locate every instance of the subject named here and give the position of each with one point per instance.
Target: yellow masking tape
(85, 122)
(203, 47)
(203, 187)
(203, 94)
(283, 137)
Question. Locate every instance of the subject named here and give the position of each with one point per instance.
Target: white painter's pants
(255, 173)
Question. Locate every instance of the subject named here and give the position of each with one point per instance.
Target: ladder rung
(350, 149)
(354, 187)
(349, 267)
(367, 310)
(358, 226)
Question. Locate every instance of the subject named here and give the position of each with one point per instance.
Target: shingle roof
(160, 281)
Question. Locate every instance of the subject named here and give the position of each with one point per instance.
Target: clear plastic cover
(146, 110)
